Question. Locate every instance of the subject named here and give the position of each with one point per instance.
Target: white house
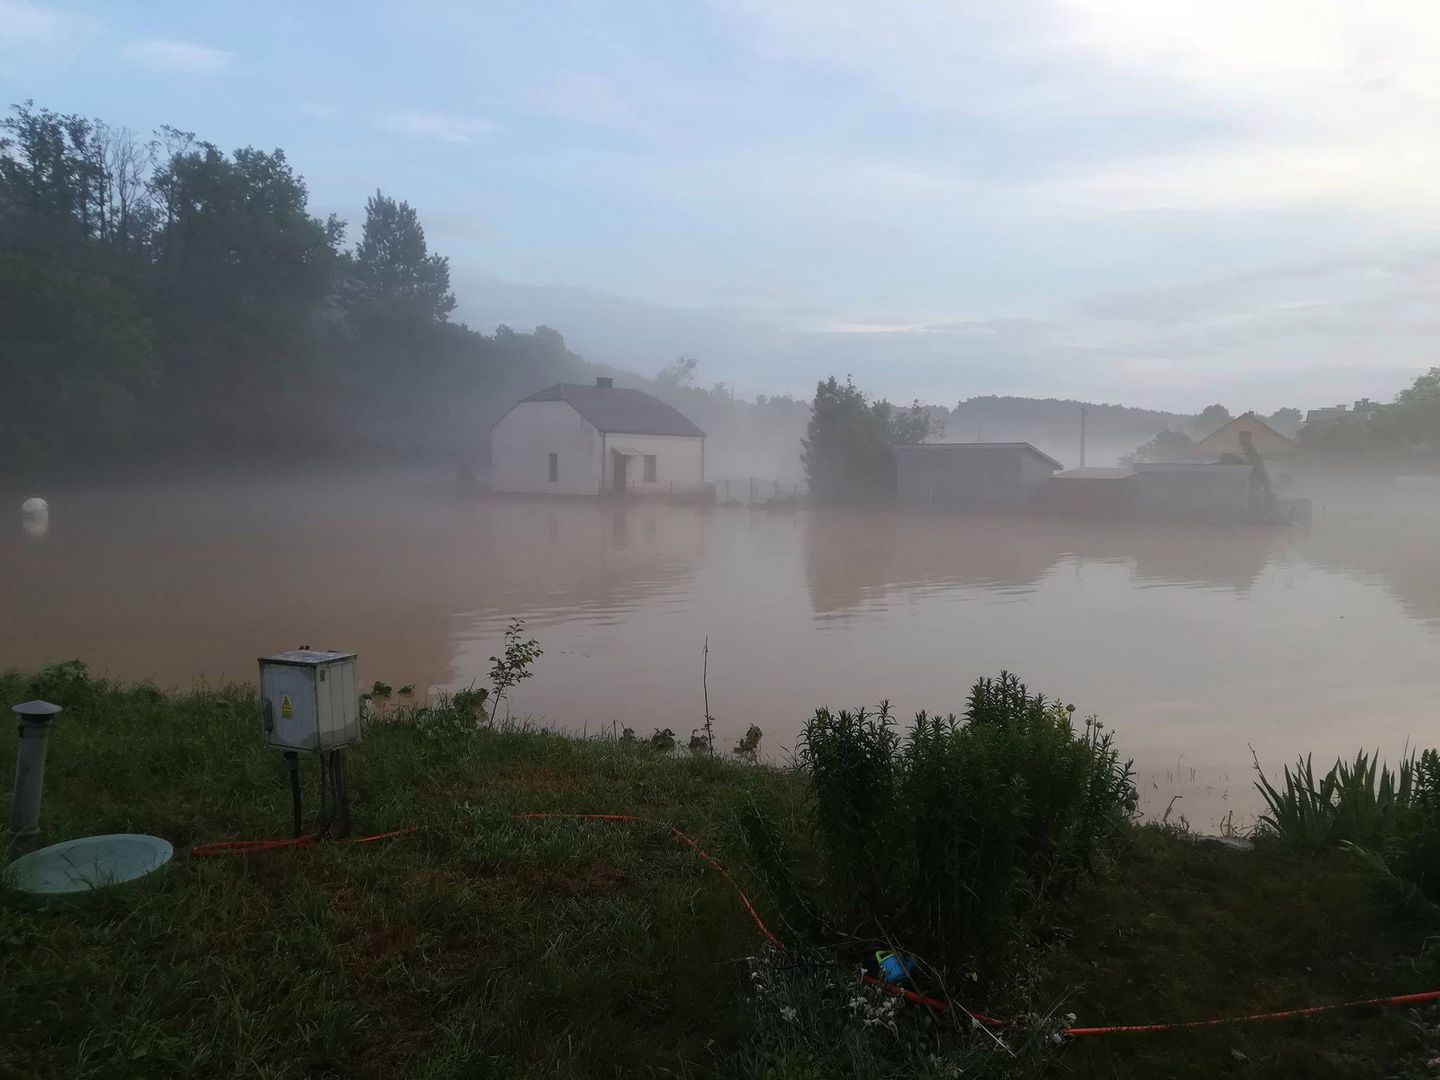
(572, 439)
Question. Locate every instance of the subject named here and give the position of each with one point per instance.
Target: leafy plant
(1389, 819)
(852, 762)
(513, 666)
(944, 838)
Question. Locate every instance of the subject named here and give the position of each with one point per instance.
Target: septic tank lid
(92, 862)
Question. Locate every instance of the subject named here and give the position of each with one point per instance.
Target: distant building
(1268, 442)
(1334, 412)
(1108, 492)
(574, 439)
(1193, 489)
(1365, 407)
(997, 475)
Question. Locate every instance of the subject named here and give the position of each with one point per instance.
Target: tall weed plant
(943, 839)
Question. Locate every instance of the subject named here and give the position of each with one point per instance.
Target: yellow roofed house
(1268, 442)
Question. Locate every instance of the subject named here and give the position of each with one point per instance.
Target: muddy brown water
(1192, 643)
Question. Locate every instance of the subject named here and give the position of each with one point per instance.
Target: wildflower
(788, 1014)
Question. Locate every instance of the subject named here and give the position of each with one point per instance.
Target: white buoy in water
(35, 518)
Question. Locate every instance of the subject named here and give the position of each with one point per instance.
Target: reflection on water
(1193, 642)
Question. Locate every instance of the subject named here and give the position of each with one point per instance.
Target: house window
(554, 467)
(649, 468)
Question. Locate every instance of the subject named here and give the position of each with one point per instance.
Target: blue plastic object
(895, 967)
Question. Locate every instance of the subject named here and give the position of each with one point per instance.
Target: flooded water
(1193, 644)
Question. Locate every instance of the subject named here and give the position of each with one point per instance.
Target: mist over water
(1192, 643)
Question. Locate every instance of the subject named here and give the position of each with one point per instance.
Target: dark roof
(1095, 472)
(981, 446)
(614, 408)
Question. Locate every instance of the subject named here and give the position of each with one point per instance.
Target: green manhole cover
(93, 862)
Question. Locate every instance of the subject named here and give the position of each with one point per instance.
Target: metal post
(292, 763)
(727, 490)
(1084, 413)
(35, 717)
(752, 489)
(340, 824)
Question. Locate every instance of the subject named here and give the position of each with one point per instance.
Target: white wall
(679, 460)
(522, 442)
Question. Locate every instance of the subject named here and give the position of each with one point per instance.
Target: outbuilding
(575, 439)
(1107, 492)
(972, 475)
(1194, 489)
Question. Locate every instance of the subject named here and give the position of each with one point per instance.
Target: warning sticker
(285, 709)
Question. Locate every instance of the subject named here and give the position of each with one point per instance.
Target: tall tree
(391, 276)
(1212, 418)
(77, 363)
(847, 450)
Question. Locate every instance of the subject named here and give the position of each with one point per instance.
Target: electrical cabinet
(309, 699)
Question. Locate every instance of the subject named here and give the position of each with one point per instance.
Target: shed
(1193, 488)
(1107, 491)
(999, 475)
(574, 439)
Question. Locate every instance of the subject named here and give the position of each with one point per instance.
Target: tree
(1166, 446)
(1286, 421)
(77, 363)
(679, 372)
(847, 449)
(1212, 418)
(391, 276)
(1415, 416)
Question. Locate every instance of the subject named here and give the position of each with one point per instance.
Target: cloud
(435, 125)
(1232, 104)
(1299, 333)
(179, 57)
(590, 99)
(27, 22)
(30, 24)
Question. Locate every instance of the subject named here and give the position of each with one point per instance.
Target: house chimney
(604, 383)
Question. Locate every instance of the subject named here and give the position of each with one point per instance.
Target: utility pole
(1084, 413)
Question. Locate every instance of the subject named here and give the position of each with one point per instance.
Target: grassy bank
(487, 944)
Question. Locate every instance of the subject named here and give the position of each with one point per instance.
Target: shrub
(943, 839)
(1390, 818)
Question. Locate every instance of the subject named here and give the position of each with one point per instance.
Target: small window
(649, 468)
(554, 467)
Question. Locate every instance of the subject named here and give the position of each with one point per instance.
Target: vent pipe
(35, 717)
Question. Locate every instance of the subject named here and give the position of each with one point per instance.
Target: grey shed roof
(1095, 472)
(961, 446)
(614, 408)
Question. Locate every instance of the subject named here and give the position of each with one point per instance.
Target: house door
(620, 470)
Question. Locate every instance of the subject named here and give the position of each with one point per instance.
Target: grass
(490, 945)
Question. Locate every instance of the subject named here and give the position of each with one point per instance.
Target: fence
(744, 490)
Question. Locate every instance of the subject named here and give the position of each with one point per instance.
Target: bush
(1392, 818)
(943, 840)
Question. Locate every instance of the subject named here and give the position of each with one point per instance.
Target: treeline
(160, 296)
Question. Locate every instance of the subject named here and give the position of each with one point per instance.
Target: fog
(1194, 643)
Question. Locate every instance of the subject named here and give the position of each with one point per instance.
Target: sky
(1139, 201)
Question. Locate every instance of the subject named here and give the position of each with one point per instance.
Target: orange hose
(255, 847)
(248, 847)
(1285, 1014)
(630, 819)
